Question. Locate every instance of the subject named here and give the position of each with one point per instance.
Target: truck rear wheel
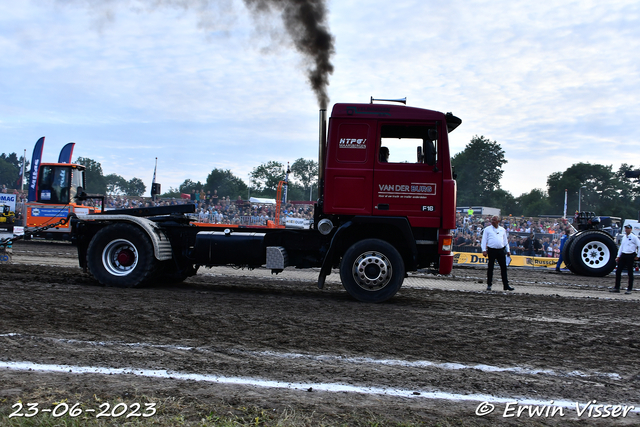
(592, 253)
(372, 270)
(121, 255)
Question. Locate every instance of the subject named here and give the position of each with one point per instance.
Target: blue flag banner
(66, 152)
(35, 165)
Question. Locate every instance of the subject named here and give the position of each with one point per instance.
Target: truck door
(407, 178)
(349, 168)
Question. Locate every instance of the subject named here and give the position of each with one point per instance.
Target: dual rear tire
(121, 255)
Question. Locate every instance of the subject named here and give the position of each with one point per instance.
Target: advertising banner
(49, 212)
(8, 199)
(466, 258)
(66, 153)
(35, 165)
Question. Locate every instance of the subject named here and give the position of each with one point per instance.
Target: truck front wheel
(372, 270)
(121, 255)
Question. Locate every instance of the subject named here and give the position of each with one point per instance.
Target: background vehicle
(374, 219)
(592, 250)
(57, 186)
(7, 218)
(635, 229)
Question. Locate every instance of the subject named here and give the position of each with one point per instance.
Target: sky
(203, 84)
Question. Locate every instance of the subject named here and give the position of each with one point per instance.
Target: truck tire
(121, 255)
(592, 253)
(372, 270)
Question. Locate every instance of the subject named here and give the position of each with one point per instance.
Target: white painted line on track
(328, 387)
(335, 358)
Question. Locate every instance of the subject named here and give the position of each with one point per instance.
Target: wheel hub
(372, 271)
(120, 257)
(595, 254)
(126, 257)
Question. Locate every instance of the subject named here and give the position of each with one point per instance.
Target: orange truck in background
(57, 186)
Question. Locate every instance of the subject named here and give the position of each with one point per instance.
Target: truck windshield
(54, 184)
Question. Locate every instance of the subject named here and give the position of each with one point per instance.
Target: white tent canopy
(262, 201)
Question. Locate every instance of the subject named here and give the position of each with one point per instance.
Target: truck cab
(392, 161)
(57, 186)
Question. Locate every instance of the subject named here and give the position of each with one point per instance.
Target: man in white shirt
(627, 254)
(495, 246)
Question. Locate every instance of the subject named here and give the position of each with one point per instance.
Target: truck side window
(76, 183)
(408, 144)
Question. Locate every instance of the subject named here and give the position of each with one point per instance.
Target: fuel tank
(228, 247)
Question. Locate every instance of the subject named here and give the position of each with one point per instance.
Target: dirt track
(431, 353)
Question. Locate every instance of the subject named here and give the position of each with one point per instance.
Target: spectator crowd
(211, 209)
(545, 241)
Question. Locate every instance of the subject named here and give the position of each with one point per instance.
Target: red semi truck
(386, 206)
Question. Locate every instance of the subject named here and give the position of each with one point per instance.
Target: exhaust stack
(321, 149)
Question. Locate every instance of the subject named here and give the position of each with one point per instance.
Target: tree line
(602, 190)
(10, 165)
(264, 179)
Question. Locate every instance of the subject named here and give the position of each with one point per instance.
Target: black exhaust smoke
(305, 21)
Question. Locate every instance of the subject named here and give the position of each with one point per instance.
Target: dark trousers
(497, 255)
(625, 262)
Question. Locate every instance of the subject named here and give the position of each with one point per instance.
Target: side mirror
(80, 194)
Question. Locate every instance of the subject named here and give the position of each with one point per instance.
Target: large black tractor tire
(592, 253)
(121, 255)
(372, 270)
